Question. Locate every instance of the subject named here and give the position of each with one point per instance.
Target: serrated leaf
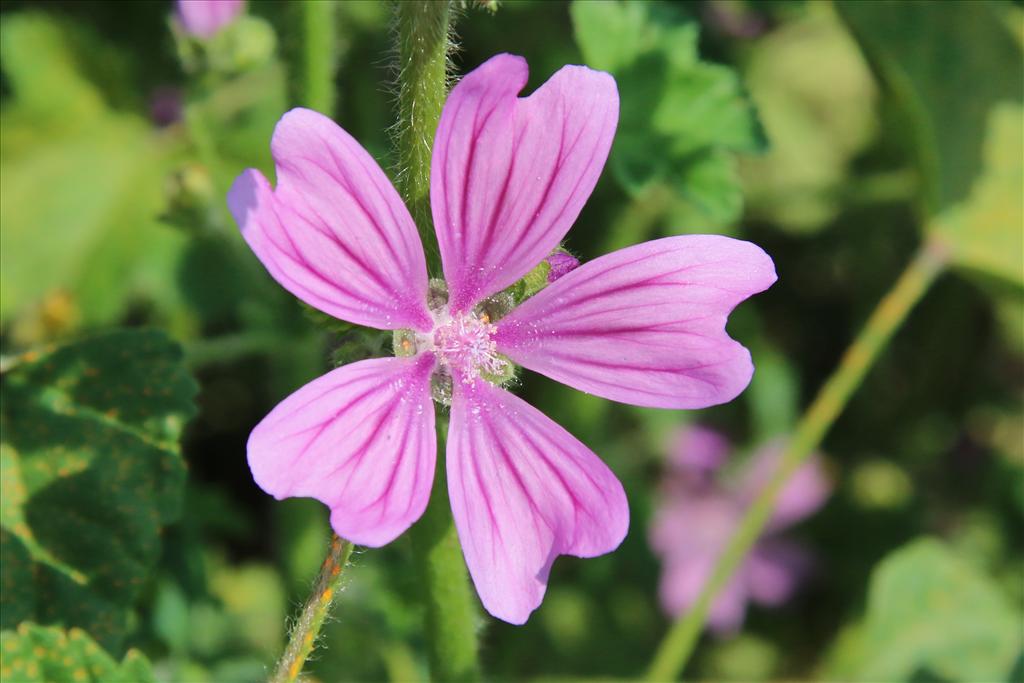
(680, 117)
(947, 64)
(929, 612)
(38, 654)
(985, 232)
(91, 471)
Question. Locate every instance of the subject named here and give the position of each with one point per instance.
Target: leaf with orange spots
(89, 473)
(39, 654)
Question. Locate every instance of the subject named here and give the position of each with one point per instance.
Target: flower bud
(205, 18)
(559, 263)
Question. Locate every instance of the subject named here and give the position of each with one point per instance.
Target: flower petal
(774, 569)
(644, 325)
(698, 450)
(524, 491)
(204, 18)
(684, 577)
(361, 440)
(509, 176)
(335, 232)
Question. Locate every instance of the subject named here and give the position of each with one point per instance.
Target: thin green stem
(423, 35)
(304, 634)
(319, 55)
(931, 259)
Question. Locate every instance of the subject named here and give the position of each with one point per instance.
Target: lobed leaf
(985, 232)
(91, 471)
(929, 612)
(947, 65)
(39, 654)
(680, 117)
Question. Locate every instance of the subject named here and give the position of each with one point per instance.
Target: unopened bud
(560, 263)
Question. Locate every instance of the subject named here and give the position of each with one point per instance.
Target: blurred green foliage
(930, 612)
(680, 116)
(868, 126)
(88, 177)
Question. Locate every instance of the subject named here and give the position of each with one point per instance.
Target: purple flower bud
(165, 105)
(561, 262)
(204, 18)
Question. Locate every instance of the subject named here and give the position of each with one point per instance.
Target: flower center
(463, 343)
(465, 346)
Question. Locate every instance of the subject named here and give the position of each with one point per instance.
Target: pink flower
(509, 176)
(700, 511)
(204, 18)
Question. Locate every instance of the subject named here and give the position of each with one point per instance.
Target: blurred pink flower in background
(509, 175)
(204, 18)
(701, 508)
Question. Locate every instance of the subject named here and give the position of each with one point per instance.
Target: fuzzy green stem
(451, 606)
(319, 55)
(307, 627)
(931, 259)
(423, 34)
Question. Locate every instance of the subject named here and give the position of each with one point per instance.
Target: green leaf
(929, 612)
(680, 117)
(83, 183)
(947, 64)
(818, 119)
(91, 471)
(44, 71)
(985, 232)
(39, 654)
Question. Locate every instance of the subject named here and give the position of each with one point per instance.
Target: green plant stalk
(303, 635)
(423, 32)
(319, 55)
(424, 42)
(452, 615)
(930, 260)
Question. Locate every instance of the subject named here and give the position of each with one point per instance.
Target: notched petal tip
(523, 492)
(645, 325)
(510, 174)
(361, 440)
(334, 231)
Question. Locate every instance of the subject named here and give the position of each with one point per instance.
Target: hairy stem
(319, 54)
(423, 34)
(931, 259)
(304, 634)
(451, 607)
